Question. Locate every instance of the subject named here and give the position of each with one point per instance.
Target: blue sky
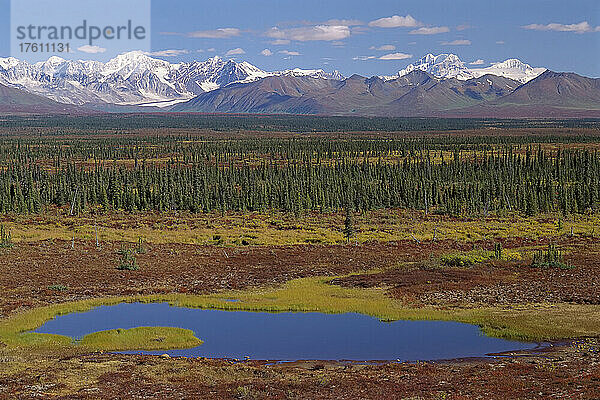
(371, 37)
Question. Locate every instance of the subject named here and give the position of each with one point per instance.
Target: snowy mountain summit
(447, 66)
(513, 69)
(442, 66)
(133, 78)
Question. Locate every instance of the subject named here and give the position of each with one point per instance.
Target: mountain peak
(215, 59)
(447, 66)
(124, 59)
(337, 75)
(356, 77)
(313, 73)
(512, 68)
(511, 63)
(132, 56)
(441, 66)
(9, 62)
(55, 60)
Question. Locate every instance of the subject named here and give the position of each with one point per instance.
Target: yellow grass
(285, 229)
(141, 338)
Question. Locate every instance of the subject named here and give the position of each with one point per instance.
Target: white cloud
(338, 43)
(458, 42)
(582, 27)
(385, 47)
(500, 42)
(359, 30)
(311, 33)
(235, 52)
(477, 62)
(212, 50)
(396, 56)
(91, 49)
(221, 33)
(280, 42)
(364, 58)
(463, 27)
(266, 53)
(396, 21)
(434, 30)
(344, 22)
(289, 53)
(170, 53)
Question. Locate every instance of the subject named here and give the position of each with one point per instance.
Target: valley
(439, 221)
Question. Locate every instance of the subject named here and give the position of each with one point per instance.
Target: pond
(292, 336)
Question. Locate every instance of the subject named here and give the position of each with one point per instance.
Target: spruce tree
(349, 230)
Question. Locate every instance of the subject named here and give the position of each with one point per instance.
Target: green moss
(142, 338)
(43, 339)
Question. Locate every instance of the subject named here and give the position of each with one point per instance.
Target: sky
(377, 37)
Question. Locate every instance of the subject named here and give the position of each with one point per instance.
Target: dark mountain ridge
(416, 94)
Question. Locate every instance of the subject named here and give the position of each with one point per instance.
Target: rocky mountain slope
(15, 101)
(416, 93)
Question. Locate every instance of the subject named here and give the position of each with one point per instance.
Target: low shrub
(58, 288)
(474, 257)
(464, 259)
(128, 261)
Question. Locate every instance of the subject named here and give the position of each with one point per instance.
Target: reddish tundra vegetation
(464, 242)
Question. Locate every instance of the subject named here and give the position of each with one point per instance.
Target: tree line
(123, 123)
(296, 176)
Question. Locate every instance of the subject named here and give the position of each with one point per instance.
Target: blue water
(292, 336)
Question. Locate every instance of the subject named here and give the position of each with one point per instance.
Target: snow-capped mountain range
(446, 66)
(135, 78)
